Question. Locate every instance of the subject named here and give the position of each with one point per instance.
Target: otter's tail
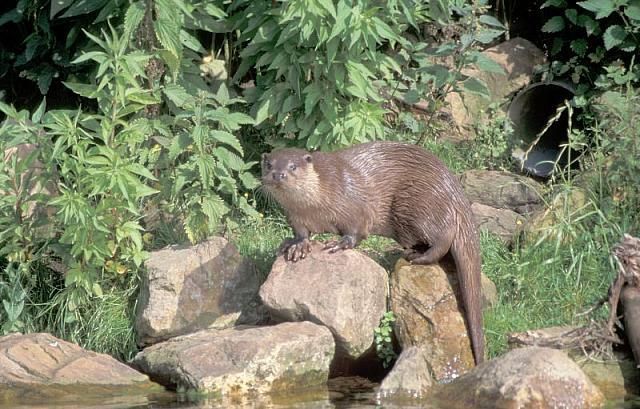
(466, 252)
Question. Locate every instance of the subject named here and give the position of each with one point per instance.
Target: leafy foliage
(600, 34)
(78, 184)
(320, 65)
(383, 339)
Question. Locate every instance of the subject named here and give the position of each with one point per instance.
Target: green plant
(320, 65)
(107, 167)
(492, 149)
(13, 297)
(383, 338)
(593, 41)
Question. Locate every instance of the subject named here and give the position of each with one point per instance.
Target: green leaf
(57, 6)
(613, 36)
(263, 111)
(37, 115)
(491, 21)
(602, 8)
(554, 25)
(97, 56)
(477, 87)
(579, 46)
(227, 138)
(248, 180)
(633, 10)
(177, 94)
(167, 27)
(83, 7)
(132, 18)
(140, 170)
(571, 15)
(191, 42)
(487, 35)
(84, 90)
(485, 63)
(554, 3)
(591, 26)
(214, 208)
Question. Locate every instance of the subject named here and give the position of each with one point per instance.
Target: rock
(188, 288)
(518, 58)
(410, 377)
(428, 316)
(489, 292)
(41, 366)
(618, 378)
(502, 190)
(504, 223)
(345, 291)
(531, 377)
(565, 206)
(242, 360)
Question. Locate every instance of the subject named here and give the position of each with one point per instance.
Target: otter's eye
(267, 166)
(292, 166)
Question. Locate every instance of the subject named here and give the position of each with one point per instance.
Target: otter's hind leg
(439, 248)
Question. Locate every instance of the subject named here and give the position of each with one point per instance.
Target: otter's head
(287, 171)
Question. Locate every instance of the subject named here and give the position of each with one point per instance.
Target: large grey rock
(504, 223)
(40, 366)
(345, 291)
(424, 299)
(502, 190)
(243, 360)
(189, 288)
(410, 377)
(531, 377)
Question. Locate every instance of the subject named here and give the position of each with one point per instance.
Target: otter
(392, 189)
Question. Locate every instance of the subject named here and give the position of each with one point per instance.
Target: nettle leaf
(214, 208)
(191, 42)
(554, 25)
(227, 138)
(602, 8)
(571, 15)
(477, 87)
(230, 159)
(485, 63)
(579, 46)
(177, 94)
(248, 180)
(591, 26)
(633, 10)
(132, 18)
(614, 36)
(167, 27)
(487, 35)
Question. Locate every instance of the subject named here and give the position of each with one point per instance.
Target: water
(341, 393)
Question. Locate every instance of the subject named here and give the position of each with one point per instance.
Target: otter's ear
(265, 157)
(307, 158)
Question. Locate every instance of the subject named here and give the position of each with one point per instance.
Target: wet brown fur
(386, 188)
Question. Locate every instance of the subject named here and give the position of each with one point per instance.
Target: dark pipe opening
(529, 113)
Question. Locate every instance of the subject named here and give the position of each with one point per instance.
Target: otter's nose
(278, 176)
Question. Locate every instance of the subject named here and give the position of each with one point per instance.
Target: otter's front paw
(295, 249)
(346, 242)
